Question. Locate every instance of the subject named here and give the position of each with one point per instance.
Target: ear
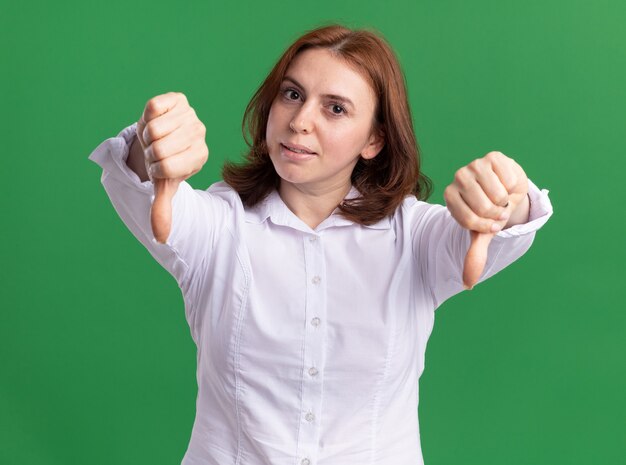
(374, 145)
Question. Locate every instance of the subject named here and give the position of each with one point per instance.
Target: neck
(312, 205)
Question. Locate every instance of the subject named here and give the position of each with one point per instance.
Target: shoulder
(222, 191)
(219, 201)
(232, 205)
(413, 209)
(417, 217)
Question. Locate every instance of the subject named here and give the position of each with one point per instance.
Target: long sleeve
(441, 245)
(196, 215)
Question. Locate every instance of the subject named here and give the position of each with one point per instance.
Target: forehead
(321, 71)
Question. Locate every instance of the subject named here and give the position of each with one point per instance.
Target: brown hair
(384, 180)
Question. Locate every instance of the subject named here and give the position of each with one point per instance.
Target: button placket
(312, 362)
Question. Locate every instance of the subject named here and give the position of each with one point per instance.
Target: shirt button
(315, 321)
(309, 417)
(313, 371)
(312, 238)
(316, 279)
(305, 462)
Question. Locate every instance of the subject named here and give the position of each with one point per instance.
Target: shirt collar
(273, 207)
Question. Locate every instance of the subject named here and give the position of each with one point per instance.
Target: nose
(303, 120)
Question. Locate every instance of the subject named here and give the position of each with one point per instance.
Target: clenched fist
(487, 195)
(172, 139)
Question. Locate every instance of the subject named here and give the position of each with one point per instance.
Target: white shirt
(310, 342)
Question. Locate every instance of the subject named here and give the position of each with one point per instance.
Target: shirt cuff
(111, 156)
(540, 211)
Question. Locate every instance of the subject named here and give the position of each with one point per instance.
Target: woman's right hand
(172, 139)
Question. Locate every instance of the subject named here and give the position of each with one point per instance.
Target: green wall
(97, 364)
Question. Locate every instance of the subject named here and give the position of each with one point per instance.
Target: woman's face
(326, 109)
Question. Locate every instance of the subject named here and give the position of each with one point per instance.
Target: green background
(97, 363)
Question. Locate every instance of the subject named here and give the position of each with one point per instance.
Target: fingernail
(495, 227)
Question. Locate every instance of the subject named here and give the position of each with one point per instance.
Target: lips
(302, 149)
(294, 154)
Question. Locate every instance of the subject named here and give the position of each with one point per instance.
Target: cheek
(275, 122)
(345, 141)
(270, 124)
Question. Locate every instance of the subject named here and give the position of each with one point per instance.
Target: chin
(290, 177)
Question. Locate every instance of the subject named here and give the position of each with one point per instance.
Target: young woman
(311, 275)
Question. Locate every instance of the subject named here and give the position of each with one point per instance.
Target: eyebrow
(330, 96)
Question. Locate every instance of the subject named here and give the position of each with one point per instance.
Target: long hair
(383, 181)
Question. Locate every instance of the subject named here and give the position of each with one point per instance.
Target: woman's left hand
(484, 196)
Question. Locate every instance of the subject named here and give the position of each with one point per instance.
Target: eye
(337, 109)
(291, 94)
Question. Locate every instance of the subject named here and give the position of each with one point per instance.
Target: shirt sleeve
(196, 214)
(440, 245)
